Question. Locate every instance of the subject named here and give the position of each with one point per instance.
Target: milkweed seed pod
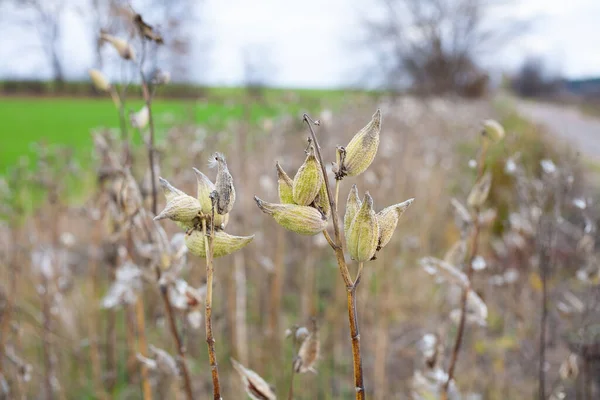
(141, 118)
(169, 190)
(363, 235)
(223, 185)
(146, 30)
(123, 48)
(353, 204)
(205, 188)
(444, 270)
(99, 80)
(480, 191)
(223, 243)
(182, 208)
(285, 186)
(300, 219)
(361, 150)
(388, 220)
(308, 355)
(308, 180)
(493, 130)
(256, 387)
(322, 201)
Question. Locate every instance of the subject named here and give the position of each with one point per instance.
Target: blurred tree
(432, 45)
(535, 79)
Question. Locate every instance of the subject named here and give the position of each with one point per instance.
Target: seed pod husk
(285, 186)
(224, 186)
(363, 235)
(308, 354)
(322, 201)
(223, 243)
(388, 220)
(308, 180)
(205, 188)
(182, 208)
(353, 204)
(169, 190)
(141, 118)
(123, 48)
(480, 191)
(99, 80)
(256, 387)
(493, 130)
(361, 150)
(300, 219)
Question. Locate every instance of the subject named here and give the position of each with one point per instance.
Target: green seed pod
(223, 243)
(308, 180)
(322, 201)
(363, 235)
(169, 190)
(353, 204)
(286, 185)
(493, 130)
(361, 150)
(388, 220)
(205, 188)
(181, 208)
(480, 191)
(223, 185)
(300, 219)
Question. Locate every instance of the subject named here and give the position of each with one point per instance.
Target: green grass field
(68, 121)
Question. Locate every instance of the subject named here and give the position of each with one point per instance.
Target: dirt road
(567, 124)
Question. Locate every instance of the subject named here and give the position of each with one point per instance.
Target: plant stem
(180, 347)
(148, 100)
(465, 293)
(142, 346)
(210, 340)
(343, 267)
(291, 391)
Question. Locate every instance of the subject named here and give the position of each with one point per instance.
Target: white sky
(313, 43)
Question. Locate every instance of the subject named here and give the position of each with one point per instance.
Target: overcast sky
(313, 43)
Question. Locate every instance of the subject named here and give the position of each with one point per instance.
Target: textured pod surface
(285, 186)
(362, 149)
(363, 235)
(99, 80)
(205, 188)
(480, 191)
(256, 387)
(224, 186)
(353, 204)
(308, 354)
(169, 190)
(223, 243)
(300, 219)
(322, 201)
(181, 208)
(308, 180)
(388, 220)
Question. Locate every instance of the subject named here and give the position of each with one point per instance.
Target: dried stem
(210, 340)
(142, 347)
(47, 346)
(179, 344)
(465, 293)
(343, 267)
(291, 391)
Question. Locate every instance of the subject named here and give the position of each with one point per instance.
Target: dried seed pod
(353, 204)
(308, 355)
(480, 191)
(223, 243)
(308, 180)
(256, 387)
(286, 185)
(99, 80)
(435, 266)
(146, 30)
(322, 201)
(224, 185)
(205, 188)
(363, 235)
(141, 118)
(123, 48)
(388, 220)
(493, 130)
(300, 219)
(182, 208)
(569, 369)
(169, 190)
(361, 150)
